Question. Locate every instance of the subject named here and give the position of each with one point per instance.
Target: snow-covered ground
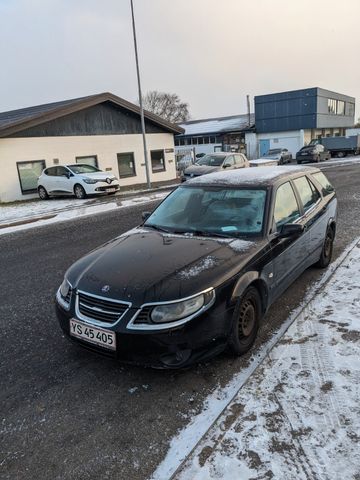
(296, 414)
(35, 214)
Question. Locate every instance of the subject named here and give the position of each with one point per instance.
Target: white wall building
(103, 130)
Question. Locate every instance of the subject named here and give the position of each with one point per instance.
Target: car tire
(327, 250)
(79, 192)
(246, 321)
(43, 194)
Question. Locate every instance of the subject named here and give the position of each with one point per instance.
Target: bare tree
(166, 105)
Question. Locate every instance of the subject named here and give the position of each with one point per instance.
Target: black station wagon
(200, 273)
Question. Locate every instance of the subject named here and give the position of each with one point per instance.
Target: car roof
(263, 176)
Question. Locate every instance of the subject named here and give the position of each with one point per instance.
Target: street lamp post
(140, 99)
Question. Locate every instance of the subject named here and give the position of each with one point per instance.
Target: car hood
(201, 170)
(144, 266)
(98, 175)
(276, 156)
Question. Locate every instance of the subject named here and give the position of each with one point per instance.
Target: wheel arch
(251, 279)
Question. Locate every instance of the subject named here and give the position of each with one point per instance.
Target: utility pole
(248, 109)
(140, 99)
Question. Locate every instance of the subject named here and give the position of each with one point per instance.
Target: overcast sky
(211, 52)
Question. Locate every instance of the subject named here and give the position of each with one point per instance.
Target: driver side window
(286, 207)
(61, 171)
(229, 160)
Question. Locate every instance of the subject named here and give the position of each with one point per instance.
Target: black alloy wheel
(327, 250)
(246, 320)
(79, 192)
(43, 193)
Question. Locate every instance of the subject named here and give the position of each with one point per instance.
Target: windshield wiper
(156, 227)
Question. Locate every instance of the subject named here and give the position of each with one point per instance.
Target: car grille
(101, 309)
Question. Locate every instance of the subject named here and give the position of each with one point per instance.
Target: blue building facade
(311, 108)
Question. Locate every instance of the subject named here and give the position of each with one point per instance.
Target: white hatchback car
(79, 180)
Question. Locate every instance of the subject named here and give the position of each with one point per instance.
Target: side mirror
(226, 165)
(68, 174)
(145, 215)
(291, 230)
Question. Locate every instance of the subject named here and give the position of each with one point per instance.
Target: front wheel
(327, 250)
(246, 320)
(79, 192)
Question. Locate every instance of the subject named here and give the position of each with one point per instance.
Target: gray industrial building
(287, 120)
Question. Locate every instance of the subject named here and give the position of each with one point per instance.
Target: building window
(177, 142)
(28, 174)
(126, 164)
(88, 160)
(336, 107)
(157, 160)
(340, 108)
(351, 109)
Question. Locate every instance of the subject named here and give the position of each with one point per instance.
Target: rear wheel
(79, 191)
(246, 320)
(340, 154)
(327, 250)
(43, 193)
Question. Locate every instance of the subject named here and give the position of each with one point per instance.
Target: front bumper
(306, 158)
(100, 187)
(201, 338)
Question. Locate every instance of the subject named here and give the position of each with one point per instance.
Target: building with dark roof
(103, 130)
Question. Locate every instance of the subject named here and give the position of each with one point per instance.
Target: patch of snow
(256, 398)
(63, 210)
(240, 245)
(132, 390)
(204, 264)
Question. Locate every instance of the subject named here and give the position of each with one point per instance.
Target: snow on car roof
(241, 176)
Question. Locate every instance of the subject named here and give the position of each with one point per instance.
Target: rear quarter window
(326, 187)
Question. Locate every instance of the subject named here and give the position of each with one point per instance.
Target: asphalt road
(68, 414)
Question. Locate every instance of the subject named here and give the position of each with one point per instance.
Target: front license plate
(111, 190)
(97, 336)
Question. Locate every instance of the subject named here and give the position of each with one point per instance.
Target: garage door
(293, 144)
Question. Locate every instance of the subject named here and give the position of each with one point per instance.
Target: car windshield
(211, 160)
(208, 210)
(274, 151)
(82, 168)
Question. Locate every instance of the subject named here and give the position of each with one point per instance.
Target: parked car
(200, 273)
(214, 162)
(79, 180)
(312, 153)
(282, 155)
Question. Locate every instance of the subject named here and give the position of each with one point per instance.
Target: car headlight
(65, 288)
(171, 312)
(90, 180)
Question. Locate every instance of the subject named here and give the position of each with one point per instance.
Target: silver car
(215, 162)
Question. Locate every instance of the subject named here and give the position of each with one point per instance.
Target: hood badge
(108, 180)
(105, 288)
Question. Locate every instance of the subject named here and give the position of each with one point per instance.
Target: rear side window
(50, 171)
(308, 193)
(326, 186)
(286, 206)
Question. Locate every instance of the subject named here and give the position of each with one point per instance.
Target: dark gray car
(215, 162)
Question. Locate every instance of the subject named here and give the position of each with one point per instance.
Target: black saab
(200, 273)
